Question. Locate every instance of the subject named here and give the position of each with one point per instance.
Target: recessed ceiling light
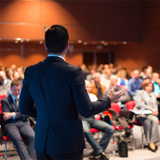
(40, 42)
(85, 43)
(18, 39)
(102, 42)
(79, 41)
(124, 42)
(27, 40)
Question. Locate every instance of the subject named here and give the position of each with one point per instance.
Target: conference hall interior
(114, 42)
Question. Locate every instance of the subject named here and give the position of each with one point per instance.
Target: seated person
(114, 81)
(4, 84)
(122, 80)
(156, 83)
(134, 84)
(91, 122)
(97, 88)
(89, 77)
(105, 78)
(16, 124)
(148, 74)
(146, 99)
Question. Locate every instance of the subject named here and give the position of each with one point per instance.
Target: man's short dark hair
(15, 82)
(56, 39)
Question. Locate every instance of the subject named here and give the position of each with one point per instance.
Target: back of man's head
(56, 39)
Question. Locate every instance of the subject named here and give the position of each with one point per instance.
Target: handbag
(122, 147)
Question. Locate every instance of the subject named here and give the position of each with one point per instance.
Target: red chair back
(116, 107)
(1, 97)
(130, 105)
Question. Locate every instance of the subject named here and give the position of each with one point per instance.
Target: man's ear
(67, 47)
(45, 46)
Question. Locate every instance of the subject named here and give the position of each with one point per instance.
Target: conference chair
(130, 106)
(120, 129)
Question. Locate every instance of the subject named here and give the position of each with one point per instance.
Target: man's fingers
(120, 92)
(113, 88)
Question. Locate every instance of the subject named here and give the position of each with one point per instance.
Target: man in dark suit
(17, 124)
(58, 91)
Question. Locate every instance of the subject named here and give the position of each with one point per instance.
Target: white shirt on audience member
(92, 97)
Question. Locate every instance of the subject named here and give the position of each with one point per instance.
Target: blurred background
(125, 33)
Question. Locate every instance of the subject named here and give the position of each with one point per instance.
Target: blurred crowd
(103, 77)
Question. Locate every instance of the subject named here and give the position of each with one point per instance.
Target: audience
(142, 74)
(105, 78)
(97, 88)
(13, 67)
(146, 100)
(16, 124)
(16, 75)
(144, 88)
(114, 80)
(91, 122)
(122, 80)
(156, 84)
(9, 73)
(4, 84)
(134, 84)
(89, 77)
(148, 74)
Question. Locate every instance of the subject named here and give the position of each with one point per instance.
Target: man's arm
(82, 100)
(26, 103)
(8, 114)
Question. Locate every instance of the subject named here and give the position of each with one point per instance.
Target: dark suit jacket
(9, 106)
(58, 91)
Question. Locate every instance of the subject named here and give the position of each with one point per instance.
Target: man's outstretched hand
(114, 96)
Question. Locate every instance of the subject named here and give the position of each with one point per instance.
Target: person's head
(111, 65)
(106, 66)
(16, 75)
(9, 72)
(56, 40)
(150, 68)
(155, 76)
(144, 68)
(113, 80)
(107, 72)
(88, 86)
(19, 70)
(15, 88)
(122, 73)
(147, 85)
(2, 76)
(148, 73)
(136, 74)
(13, 67)
(96, 77)
(92, 71)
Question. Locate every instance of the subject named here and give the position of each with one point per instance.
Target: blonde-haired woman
(122, 80)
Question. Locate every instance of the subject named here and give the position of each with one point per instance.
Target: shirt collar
(14, 98)
(51, 55)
